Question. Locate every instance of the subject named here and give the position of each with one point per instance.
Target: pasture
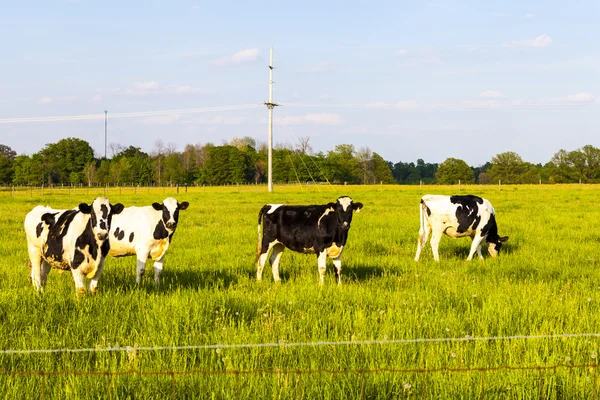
(546, 282)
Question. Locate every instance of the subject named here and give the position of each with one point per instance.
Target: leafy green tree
(62, 158)
(380, 170)
(453, 170)
(7, 159)
(509, 167)
(28, 170)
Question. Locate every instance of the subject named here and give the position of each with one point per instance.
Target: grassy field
(547, 281)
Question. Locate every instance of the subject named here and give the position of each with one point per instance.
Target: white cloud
(57, 99)
(161, 120)
(154, 88)
(529, 15)
(419, 57)
(151, 85)
(401, 105)
(491, 94)
(325, 97)
(311, 119)
(220, 120)
(323, 66)
(241, 57)
(539, 42)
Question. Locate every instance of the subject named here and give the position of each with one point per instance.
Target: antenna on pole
(105, 130)
(270, 106)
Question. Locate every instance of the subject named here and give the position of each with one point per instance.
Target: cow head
(101, 212)
(343, 208)
(170, 211)
(494, 247)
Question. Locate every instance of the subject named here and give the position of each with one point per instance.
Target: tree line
(241, 160)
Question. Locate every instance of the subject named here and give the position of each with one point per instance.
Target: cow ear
(117, 208)
(84, 208)
(503, 239)
(184, 205)
(332, 205)
(157, 206)
(357, 206)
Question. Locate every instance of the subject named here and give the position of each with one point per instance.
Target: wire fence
(359, 377)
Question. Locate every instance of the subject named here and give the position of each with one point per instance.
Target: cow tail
(260, 219)
(422, 215)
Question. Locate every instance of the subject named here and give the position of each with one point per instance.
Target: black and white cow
(458, 216)
(74, 240)
(319, 229)
(146, 231)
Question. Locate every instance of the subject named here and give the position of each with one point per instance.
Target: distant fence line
(65, 189)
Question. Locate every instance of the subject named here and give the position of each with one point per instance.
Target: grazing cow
(458, 216)
(320, 229)
(144, 231)
(73, 240)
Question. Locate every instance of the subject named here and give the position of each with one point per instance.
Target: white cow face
(101, 212)
(343, 210)
(170, 211)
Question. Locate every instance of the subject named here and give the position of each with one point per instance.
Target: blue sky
(408, 79)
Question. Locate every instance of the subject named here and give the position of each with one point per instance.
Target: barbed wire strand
(283, 344)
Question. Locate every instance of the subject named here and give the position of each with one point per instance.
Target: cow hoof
(93, 292)
(80, 293)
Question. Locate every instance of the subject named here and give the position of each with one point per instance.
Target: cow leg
(475, 246)
(322, 263)
(158, 267)
(79, 282)
(35, 258)
(262, 258)
(140, 267)
(45, 270)
(337, 263)
(274, 260)
(93, 284)
(436, 237)
(423, 237)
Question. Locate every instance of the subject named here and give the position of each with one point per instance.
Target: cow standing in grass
(146, 231)
(74, 240)
(458, 216)
(319, 229)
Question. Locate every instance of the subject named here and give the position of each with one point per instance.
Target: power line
(128, 115)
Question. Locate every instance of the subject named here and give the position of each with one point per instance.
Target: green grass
(547, 281)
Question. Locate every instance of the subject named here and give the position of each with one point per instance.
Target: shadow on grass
(171, 280)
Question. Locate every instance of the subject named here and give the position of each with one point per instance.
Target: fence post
(421, 186)
(499, 182)
(42, 190)
(381, 186)
(459, 186)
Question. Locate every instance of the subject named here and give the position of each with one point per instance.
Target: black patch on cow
(105, 248)
(166, 215)
(87, 239)
(104, 210)
(103, 225)
(467, 212)
(78, 259)
(39, 228)
(131, 237)
(48, 218)
(490, 231)
(426, 208)
(54, 244)
(160, 232)
(121, 235)
(117, 231)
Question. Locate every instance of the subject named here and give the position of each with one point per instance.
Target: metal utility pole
(270, 106)
(105, 130)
